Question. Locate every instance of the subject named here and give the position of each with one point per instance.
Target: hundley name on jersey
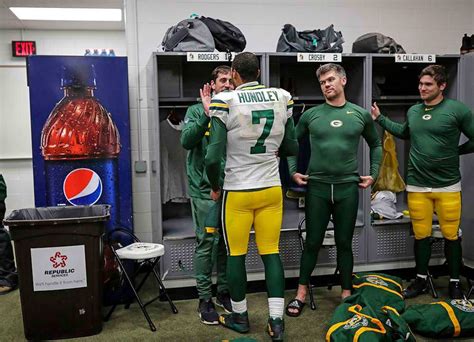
(267, 95)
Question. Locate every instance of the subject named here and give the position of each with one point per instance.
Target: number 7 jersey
(255, 119)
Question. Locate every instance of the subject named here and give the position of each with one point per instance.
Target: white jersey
(255, 118)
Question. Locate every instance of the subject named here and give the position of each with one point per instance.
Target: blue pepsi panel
(102, 173)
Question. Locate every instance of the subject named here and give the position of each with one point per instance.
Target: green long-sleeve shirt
(434, 133)
(334, 134)
(195, 139)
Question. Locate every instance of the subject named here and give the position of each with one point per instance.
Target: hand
(375, 111)
(300, 179)
(205, 93)
(366, 181)
(215, 195)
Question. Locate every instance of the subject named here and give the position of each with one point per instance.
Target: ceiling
(9, 21)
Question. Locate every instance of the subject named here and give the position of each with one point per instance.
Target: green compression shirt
(434, 133)
(334, 134)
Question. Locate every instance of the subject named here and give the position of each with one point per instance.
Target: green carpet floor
(130, 325)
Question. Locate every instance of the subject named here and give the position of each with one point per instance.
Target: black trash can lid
(58, 215)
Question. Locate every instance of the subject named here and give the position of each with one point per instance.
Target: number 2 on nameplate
(257, 116)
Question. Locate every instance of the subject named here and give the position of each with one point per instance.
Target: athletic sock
(275, 307)
(422, 255)
(239, 307)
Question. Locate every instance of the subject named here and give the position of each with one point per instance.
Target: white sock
(275, 307)
(239, 307)
(454, 280)
(422, 276)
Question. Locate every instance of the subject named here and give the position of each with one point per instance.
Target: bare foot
(300, 295)
(345, 294)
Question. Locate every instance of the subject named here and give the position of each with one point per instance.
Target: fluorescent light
(68, 14)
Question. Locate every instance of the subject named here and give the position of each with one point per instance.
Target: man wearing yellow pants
(434, 181)
(251, 125)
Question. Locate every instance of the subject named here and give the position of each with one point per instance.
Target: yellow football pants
(261, 209)
(447, 206)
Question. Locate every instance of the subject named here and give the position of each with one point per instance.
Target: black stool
(145, 256)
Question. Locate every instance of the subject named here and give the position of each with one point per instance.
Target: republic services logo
(58, 260)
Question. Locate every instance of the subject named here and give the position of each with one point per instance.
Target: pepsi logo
(82, 187)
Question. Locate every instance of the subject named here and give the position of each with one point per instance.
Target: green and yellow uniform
(334, 134)
(433, 178)
(251, 125)
(210, 248)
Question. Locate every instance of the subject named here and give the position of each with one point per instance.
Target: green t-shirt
(334, 134)
(434, 133)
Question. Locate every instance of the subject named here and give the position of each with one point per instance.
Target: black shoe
(416, 288)
(276, 328)
(236, 321)
(455, 290)
(223, 300)
(207, 312)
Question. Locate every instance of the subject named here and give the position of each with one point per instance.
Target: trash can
(60, 264)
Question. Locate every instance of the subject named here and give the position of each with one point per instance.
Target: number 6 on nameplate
(257, 115)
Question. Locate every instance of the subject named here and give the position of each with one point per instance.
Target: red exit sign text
(23, 48)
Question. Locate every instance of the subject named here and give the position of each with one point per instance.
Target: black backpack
(376, 43)
(327, 40)
(188, 35)
(227, 37)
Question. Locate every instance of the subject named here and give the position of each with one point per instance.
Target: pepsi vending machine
(81, 133)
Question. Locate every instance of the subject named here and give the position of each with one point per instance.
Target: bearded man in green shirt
(433, 180)
(332, 179)
(210, 247)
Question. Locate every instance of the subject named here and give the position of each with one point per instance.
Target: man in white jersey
(251, 126)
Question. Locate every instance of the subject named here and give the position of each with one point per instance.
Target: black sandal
(297, 305)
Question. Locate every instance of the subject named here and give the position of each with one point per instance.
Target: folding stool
(146, 256)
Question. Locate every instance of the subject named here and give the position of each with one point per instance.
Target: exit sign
(22, 48)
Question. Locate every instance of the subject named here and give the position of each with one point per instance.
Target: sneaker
(455, 290)
(223, 300)
(236, 321)
(418, 287)
(276, 328)
(207, 312)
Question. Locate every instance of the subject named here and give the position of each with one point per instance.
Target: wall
(422, 26)
(18, 170)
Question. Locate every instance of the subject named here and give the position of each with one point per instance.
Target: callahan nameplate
(318, 57)
(415, 58)
(210, 56)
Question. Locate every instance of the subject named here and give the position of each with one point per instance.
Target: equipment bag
(327, 40)
(442, 320)
(377, 290)
(376, 43)
(355, 322)
(227, 37)
(188, 35)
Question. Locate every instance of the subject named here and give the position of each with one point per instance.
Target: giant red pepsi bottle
(80, 145)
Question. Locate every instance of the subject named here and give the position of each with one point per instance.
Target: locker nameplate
(318, 57)
(210, 56)
(415, 58)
